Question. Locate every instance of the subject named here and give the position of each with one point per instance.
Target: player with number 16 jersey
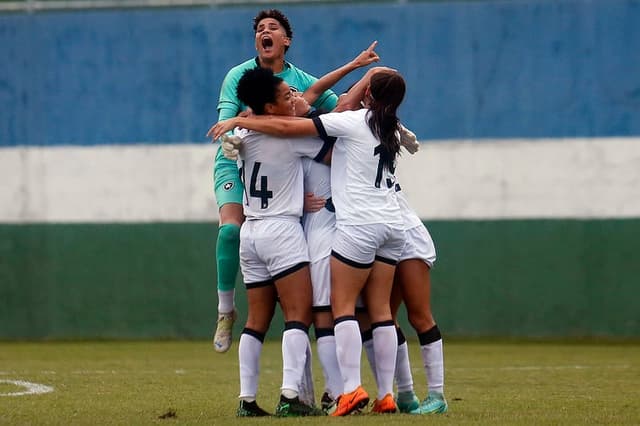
(363, 190)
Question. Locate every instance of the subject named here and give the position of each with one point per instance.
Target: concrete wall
(529, 113)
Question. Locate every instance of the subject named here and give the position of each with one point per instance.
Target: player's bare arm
(366, 57)
(353, 98)
(269, 124)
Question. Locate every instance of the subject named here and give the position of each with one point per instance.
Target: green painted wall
(538, 278)
(518, 278)
(132, 281)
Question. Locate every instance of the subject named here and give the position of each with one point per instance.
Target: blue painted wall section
(482, 69)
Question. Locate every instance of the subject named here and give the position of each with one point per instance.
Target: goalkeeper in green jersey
(273, 36)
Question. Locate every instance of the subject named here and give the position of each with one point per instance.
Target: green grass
(134, 383)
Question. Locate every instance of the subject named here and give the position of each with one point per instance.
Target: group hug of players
(312, 211)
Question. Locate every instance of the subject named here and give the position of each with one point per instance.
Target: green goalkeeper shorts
(226, 181)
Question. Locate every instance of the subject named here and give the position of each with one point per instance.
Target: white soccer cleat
(222, 338)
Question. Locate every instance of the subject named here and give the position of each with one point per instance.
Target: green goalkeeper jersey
(229, 105)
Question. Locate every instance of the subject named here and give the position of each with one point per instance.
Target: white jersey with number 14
(271, 171)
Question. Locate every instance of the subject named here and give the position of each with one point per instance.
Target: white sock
(433, 361)
(288, 393)
(349, 351)
(404, 379)
(326, 346)
(225, 301)
(385, 346)
(371, 357)
(249, 351)
(294, 356)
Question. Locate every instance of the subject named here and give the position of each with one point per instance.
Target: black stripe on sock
(401, 337)
(429, 336)
(323, 332)
(296, 325)
(254, 333)
(343, 319)
(387, 323)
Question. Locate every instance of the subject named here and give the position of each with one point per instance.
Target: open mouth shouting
(267, 43)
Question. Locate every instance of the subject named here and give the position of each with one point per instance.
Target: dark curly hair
(258, 87)
(278, 16)
(387, 92)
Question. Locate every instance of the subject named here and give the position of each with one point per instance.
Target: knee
(258, 323)
(259, 316)
(420, 320)
(302, 316)
(322, 320)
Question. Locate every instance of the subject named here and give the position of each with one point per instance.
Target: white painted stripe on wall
(130, 183)
(570, 178)
(576, 178)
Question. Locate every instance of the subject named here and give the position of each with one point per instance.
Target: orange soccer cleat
(384, 405)
(352, 402)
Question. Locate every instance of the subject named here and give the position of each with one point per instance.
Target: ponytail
(387, 92)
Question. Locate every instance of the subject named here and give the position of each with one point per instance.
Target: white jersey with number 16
(363, 190)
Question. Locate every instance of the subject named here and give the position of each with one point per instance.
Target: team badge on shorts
(227, 186)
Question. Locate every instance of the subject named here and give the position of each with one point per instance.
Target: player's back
(363, 190)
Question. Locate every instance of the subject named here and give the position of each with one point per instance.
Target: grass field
(136, 383)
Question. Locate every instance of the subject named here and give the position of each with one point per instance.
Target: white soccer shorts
(269, 247)
(419, 245)
(361, 244)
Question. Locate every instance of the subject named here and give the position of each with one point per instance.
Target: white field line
(31, 388)
(182, 371)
